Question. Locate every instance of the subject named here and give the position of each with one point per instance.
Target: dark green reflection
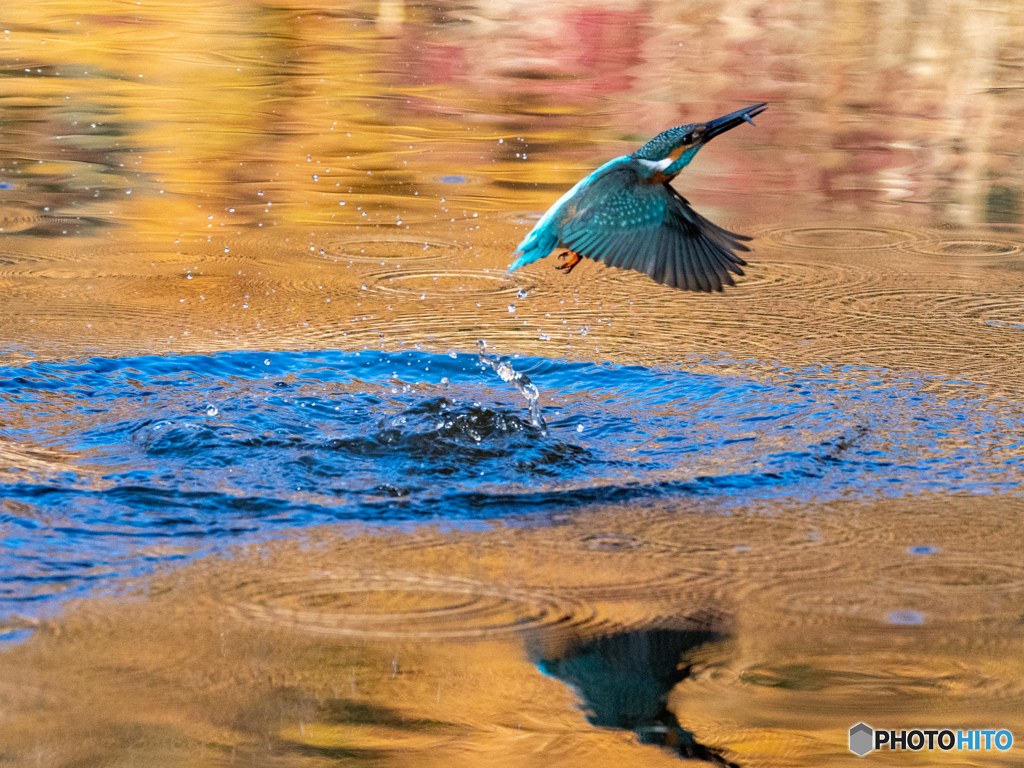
(625, 679)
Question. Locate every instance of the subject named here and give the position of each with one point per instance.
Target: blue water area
(111, 465)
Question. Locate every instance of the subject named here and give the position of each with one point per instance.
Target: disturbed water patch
(112, 459)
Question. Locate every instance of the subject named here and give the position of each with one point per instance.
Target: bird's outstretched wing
(650, 228)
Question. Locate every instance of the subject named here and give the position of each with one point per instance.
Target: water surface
(261, 502)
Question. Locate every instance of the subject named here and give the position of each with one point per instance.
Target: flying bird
(628, 215)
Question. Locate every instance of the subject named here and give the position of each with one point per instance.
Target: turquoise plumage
(627, 215)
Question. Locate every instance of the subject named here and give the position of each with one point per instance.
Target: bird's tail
(534, 247)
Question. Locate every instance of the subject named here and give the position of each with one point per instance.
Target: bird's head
(670, 151)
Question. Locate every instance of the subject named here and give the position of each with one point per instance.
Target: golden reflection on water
(419, 647)
(255, 176)
(176, 177)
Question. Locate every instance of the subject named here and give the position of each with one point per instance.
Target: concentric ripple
(447, 283)
(885, 680)
(966, 248)
(837, 238)
(385, 605)
(391, 249)
(960, 574)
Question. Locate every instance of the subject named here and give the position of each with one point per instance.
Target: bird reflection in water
(625, 678)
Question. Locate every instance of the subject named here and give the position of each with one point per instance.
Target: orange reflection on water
(263, 176)
(422, 648)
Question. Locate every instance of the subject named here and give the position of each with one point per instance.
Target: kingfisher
(628, 215)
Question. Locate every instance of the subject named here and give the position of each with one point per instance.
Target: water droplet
(511, 307)
(505, 371)
(906, 618)
(923, 550)
(315, 177)
(521, 382)
(211, 410)
(266, 362)
(579, 427)
(522, 293)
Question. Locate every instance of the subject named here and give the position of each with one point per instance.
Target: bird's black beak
(722, 124)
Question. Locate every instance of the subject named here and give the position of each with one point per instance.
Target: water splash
(518, 380)
(369, 435)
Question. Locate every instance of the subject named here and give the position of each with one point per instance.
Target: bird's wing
(650, 228)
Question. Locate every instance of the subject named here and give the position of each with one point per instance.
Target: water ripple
(106, 455)
(837, 238)
(388, 249)
(386, 605)
(424, 283)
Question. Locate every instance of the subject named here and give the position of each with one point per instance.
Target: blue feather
(547, 232)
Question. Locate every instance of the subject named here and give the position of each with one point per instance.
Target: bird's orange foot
(571, 264)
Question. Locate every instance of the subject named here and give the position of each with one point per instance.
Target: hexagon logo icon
(861, 737)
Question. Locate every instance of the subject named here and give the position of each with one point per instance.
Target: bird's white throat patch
(657, 165)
